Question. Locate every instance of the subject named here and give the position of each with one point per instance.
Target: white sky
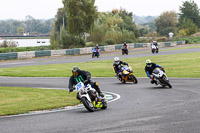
(39, 9)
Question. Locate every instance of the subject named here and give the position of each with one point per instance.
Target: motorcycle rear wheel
(87, 104)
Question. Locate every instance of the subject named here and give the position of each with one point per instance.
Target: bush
(110, 42)
(22, 49)
(6, 44)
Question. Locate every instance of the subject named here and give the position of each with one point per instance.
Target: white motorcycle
(161, 78)
(90, 98)
(154, 49)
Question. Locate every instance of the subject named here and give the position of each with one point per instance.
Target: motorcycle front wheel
(104, 105)
(166, 83)
(134, 79)
(88, 105)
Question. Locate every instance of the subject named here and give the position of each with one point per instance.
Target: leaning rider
(82, 76)
(150, 66)
(117, 66)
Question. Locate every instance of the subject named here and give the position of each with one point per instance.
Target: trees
(81, 15)
(190, 10)
(72, 22)
(187, 27)
(116, 26)
(166, 23)
(20, 30)
(10, 27)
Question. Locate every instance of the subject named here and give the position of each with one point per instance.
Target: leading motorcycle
(161, 78)
(124, 50)
(95, 52)
(90, 98)
(127, 74)
(154, 49)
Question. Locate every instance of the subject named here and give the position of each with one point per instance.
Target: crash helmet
(97, 45)
(75, 70)
(154, 42)
(116, 60)
(148, 63)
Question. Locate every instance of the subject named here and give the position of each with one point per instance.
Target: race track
(142, 107)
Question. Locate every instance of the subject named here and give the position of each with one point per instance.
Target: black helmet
(75, 69)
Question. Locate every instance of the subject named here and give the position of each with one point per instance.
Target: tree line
(185, 23)
(78, 21)
(29, 25)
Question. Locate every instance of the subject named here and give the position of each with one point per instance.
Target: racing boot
(153, 81)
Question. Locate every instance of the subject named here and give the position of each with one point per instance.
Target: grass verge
(176, 65)
(18, 100)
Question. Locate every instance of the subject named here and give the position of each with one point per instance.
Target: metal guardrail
(7, 56)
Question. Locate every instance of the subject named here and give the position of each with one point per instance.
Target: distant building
(26, 34)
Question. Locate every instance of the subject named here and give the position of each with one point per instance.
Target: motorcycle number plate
(79, 86)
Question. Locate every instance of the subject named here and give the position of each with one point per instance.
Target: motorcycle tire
(104, 105)
(134, 79)
(166, 83)
(153, 51)
(87, 104)
(123, 81)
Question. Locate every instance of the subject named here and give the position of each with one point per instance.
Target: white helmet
(116, 60)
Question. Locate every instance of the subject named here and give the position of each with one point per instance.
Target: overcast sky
(39, 9)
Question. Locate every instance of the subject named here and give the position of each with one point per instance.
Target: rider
(117, 66)
(150, 66)
(97, 48)
(85, 77)
(125, 45)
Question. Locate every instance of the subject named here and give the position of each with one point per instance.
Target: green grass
(176, 65)
(17, 100)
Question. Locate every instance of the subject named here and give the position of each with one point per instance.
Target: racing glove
(162, 69)
(86, 82)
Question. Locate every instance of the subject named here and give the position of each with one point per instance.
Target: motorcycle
(90, 98)
(127, 75)
(161, 78)
(154, 49)
(124, 50)
(95, 52)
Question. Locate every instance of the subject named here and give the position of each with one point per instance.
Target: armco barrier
(119, 46)
(101, 48)
(86, 50)
(138, 45)
(42, 53)
(58, 52)
(167, 44)
(28, 54)
(31, 54)
(109, 48)
(180, 42)
(8, 56)
(72, 51)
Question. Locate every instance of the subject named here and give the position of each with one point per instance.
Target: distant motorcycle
(154, 49)
(124, 50)
(90, 98)
(161, 78)
(95, 52)
(127, 75)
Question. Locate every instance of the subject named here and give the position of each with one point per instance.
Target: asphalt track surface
(142, 107)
